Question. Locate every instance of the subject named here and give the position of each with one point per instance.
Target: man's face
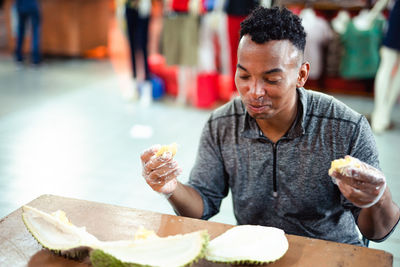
(267, 75)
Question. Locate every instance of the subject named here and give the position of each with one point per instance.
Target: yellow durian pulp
(145, 234)
(173, 148)
(338, 165)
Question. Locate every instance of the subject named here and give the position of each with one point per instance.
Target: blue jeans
(23, 17)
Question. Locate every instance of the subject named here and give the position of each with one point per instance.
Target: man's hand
(160, 172)
(360, 183)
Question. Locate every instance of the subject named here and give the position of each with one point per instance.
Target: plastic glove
(359, 182)
(160, 172)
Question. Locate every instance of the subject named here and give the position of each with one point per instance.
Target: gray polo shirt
(284, 184)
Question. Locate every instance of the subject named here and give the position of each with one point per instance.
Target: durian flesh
(250, 244)
(56, 233)
(172, 148)
(342, 164)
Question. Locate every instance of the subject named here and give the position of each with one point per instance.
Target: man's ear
(303, 74)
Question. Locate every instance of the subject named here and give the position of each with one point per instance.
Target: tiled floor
(66, 129)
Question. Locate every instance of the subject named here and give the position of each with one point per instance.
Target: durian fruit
(248, 244)
(177, 250)
(340, 165)
(57, 233)
(173, 148)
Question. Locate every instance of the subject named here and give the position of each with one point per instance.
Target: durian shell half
(248, 244)
(55, 232)
(171, 251)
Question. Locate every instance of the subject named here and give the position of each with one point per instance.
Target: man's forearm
(377, 221)
(186, 201)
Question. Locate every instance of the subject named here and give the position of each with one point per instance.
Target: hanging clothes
(334, 54)
(240, 7)
(180, 5)
(180, 39)
(209, 5)
(335, 49)
(319, 34)
(214, 34)
(237, 10)
(392, 36)
(180, 35)
(361, 50)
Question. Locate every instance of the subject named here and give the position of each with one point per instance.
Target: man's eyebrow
(241, 67)
(265, 72)
(272, 71)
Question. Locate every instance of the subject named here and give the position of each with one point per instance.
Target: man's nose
(257, 89)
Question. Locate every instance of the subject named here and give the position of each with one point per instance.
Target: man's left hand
(361, 184)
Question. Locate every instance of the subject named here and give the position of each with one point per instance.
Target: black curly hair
(267, 24)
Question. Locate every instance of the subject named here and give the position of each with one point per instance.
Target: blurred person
(137, 15)
(387, 81)
(272, 148)
(28, 10)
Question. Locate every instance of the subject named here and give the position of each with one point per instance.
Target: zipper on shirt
(275, 190)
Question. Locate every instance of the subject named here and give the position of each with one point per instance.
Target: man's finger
(148, 153)
(164, 171)
(158, 162)
(163, 174)
(357, 177)
(158, 183)
(357, 197)
(371, 176)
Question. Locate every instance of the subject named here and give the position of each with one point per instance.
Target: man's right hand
(160, 172)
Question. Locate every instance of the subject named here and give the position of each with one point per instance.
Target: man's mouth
(257, 107)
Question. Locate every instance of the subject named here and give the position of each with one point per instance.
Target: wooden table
(108, 222)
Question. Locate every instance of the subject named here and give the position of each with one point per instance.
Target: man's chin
(260, 116)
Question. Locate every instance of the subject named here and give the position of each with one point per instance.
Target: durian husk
(248, 244)
(56, 233)
(177, 250)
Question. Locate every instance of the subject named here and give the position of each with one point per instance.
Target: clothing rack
(355, 5)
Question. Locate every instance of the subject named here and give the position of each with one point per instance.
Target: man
(273, 146)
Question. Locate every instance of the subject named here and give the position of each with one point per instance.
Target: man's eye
(244, 77)
(271, 81)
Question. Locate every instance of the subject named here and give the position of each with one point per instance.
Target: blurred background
(86, 86)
